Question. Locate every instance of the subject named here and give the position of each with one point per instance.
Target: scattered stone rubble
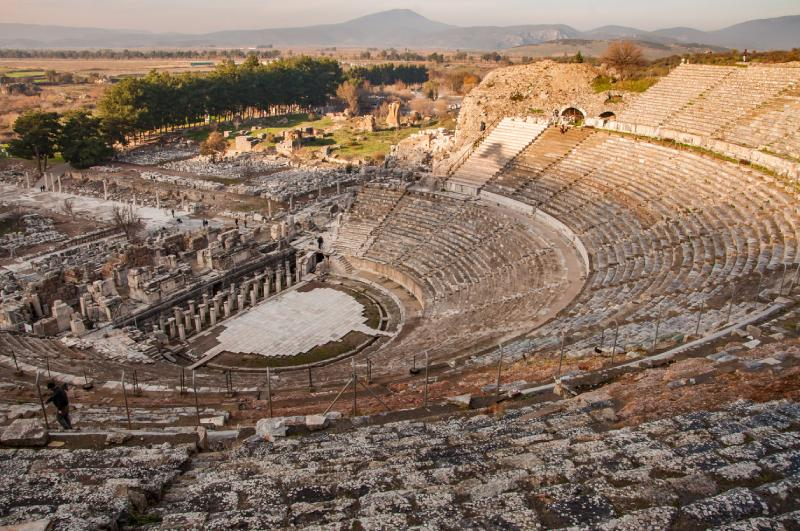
(38, 230)
(153, 155)
(300, 181)
(235, 167)
(188, 182)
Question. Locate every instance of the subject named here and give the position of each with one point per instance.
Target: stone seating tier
(736, 468)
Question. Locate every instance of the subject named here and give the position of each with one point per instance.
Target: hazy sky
(197, 16)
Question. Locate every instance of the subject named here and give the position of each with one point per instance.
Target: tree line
(160, 100)
(81, 138)
(389, 74)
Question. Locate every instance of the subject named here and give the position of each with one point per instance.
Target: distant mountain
(403, 28)
(780, 33)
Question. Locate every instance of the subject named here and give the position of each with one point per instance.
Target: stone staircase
(509, 138)
(539, 467)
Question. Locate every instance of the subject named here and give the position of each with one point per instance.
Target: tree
(37, 136)
(431, 89)
(349, 93)
(624, 56)
(214, 145)
(127, 220)
(578, 57)
(83, 141)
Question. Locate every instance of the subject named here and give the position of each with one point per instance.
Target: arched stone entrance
(573, 114)
(608, 115)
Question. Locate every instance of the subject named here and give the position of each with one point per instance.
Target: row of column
(195, 318)
(52, 182)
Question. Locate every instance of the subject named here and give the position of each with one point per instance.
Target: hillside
(596, 48)
(403, 28)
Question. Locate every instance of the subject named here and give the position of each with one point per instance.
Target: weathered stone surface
(271, 428)
(316, 422)
(116, 438)
(25, 432)
(36, 525)
(462, 401)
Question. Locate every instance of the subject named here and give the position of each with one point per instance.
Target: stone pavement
(95, 208)
(292, 323)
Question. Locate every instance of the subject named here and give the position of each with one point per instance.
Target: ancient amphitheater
(589, 326)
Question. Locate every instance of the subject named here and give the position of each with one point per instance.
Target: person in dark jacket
(60, 399)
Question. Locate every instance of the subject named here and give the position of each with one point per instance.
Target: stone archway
(573, 114)
(608, 115)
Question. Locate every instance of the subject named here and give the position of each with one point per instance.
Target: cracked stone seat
(738, 468)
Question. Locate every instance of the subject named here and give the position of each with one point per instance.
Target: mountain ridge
(402, 28)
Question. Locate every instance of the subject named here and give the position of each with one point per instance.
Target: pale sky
(200, 16)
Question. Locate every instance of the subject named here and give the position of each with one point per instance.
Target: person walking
(60, 399)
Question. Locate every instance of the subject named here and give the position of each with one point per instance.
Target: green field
(294, 121)
(605, 83)
(24, 73)
(353, 145)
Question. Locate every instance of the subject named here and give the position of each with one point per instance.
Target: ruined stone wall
(530, 90)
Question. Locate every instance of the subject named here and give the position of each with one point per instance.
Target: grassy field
(355, 145)
(605, 83)
(23, 73)
(276, 126)
(352, 144)
(109, 67)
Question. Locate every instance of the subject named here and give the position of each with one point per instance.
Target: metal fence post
(41, 401)
(561, 355)
(427, 364)
(783, 279)
(699, 317)
(125, 398)
(196, 400)
(655, 333)
(614, 346)
(499, 369)
(758, 287)
(355, 388)
(16, 364)
(730, 304)
(269, 391)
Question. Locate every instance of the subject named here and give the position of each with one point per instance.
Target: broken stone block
(214, 422)
(721, 357)
(753, 331)
(116, 438)
(202, 438)
(316, 422)
(462, 401)
(25, 432)
(594, 399)
(270, 429)
(752, 344)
